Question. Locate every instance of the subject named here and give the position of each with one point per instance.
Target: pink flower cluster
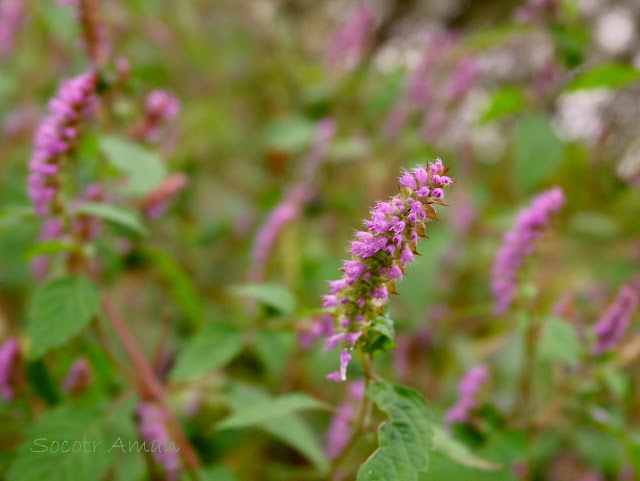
(379, 256)
(296, 197)
(152, 428)
(340, 428)
(535, 10)
(9, 361)
(427, 87)
(79, 377)
(158, 200)
(10, 16)
(519, 243)
(468, 389)
(349, 42)
(57, 135)
(610, 329)
(161, 107)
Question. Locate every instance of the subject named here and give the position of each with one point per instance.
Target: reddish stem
(150, 384)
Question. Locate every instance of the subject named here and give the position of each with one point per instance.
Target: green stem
(362, 420)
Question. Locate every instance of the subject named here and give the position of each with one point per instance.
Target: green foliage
(559, 342)
(143, 168)
(508, 446)
(274, 348)
(14, 215)
(113, 213)
(180, 285)
(273, 295)
(214, 473)
(538, 151)
(571, 41)
(504, 102)
(611, 75)
(444, 444)
(271, 409)
(290, 429)
(41, 455)
(405, 439)
(381, 335)
(212, 348)
(289, 135)
(48, 248)
(59, 311)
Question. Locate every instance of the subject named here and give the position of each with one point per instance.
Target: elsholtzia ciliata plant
(178, 181)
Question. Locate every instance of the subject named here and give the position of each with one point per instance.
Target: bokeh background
(514, 97)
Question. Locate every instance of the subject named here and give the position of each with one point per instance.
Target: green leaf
(41, 381)
(48, 248)
(595, 224)
(458, 452)
(214, 473)
(571, 41)
(12, 216)
(143, 167)
(289, 135)
(538, 151)
(59, 311)
(215, 346)
(121, 429)
(486, 38)
(270, 409)
(274, 349)
(611, 75)
(381, 335)
(273, 295)
(506, 101)
(559, 342)
(65, 427)
(119, 216)
(180, 285)
(615, 381)
(405, 438)
(290, 429)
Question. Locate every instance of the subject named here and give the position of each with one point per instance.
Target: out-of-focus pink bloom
(296, 197)
(562, 307)
(469, 387)
(349, 42)
(79, 377)
(157, 201)
(123, 67)
(94, 31)
(340, 430)
(19, 121)
(322, 326)
(161, 106)
(396, 120)
(84, 226)
(591, 477)
(613, 324)
(519, 243)
(152, 428)
(433, 123)
(52, 228)
(10, 20)
(57, 135)
(464, 214)
(9, 364)
(520, 470)
(464, 77)
(536, 10)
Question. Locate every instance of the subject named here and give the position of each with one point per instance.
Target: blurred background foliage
(554, 102)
